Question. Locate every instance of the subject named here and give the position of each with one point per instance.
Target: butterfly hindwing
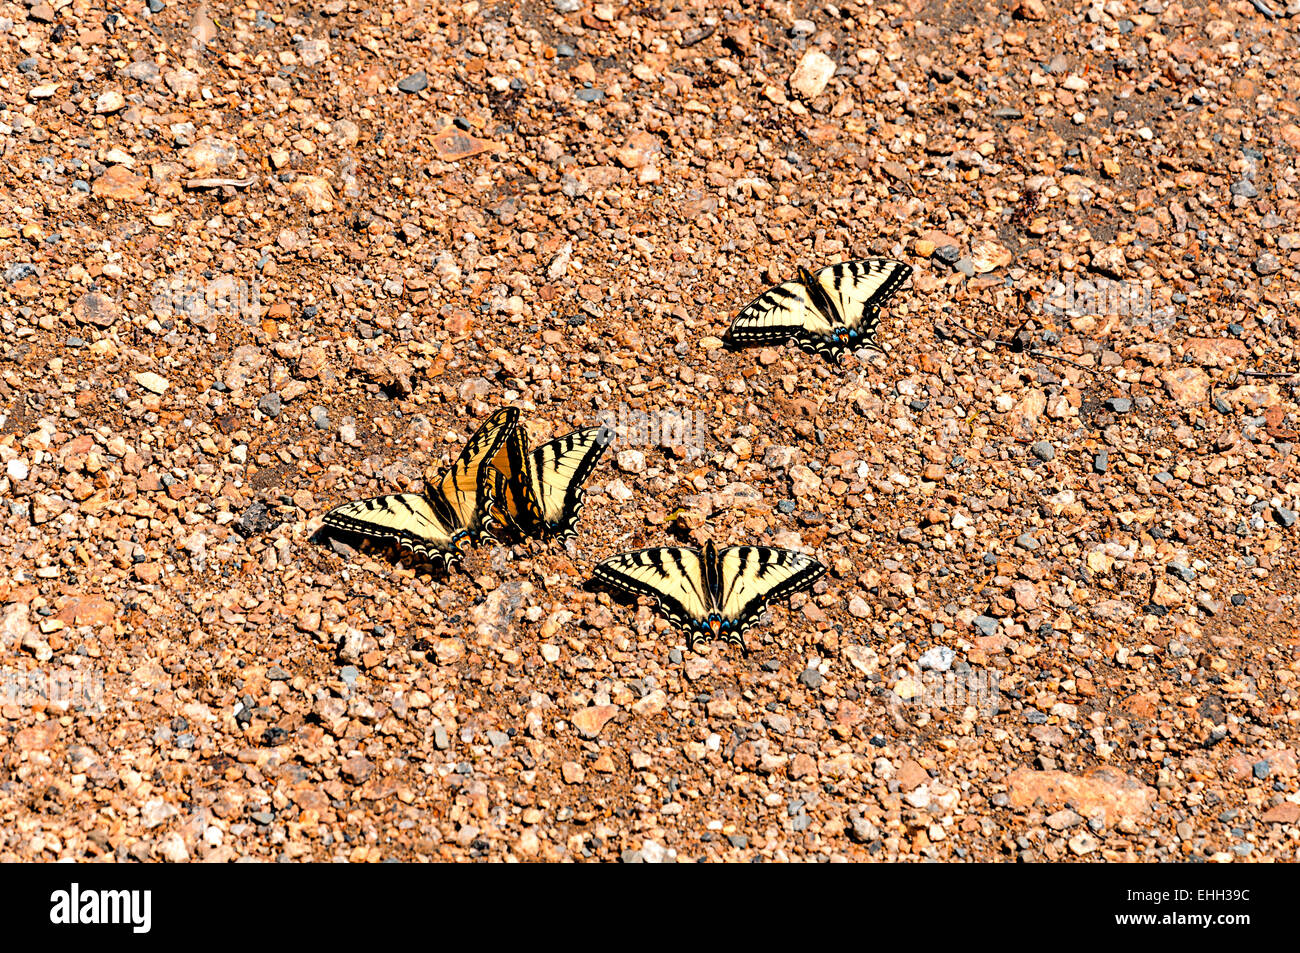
(510, 504)
(463, 485)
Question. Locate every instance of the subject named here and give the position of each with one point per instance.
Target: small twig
(692, 37)
(1264, 8)
(1065, 360)
(1032, 352)
(966, 331)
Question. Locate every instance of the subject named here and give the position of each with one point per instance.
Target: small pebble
(414, 83)
(270, 405)
(937, 659)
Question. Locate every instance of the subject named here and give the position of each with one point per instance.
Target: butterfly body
(711, 594)
(540, 494)
(441, 523)
(827, 312)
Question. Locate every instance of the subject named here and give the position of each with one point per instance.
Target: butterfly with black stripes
(443, 521)
(540, 494)
(827, 312)
(711, 593)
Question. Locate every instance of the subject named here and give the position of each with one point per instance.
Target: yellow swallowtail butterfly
(827, 312)
(711, 594)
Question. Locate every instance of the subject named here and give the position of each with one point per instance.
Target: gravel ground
(259, 259)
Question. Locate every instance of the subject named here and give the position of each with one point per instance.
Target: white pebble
(619, 491)
(631, 461)
(938, 659)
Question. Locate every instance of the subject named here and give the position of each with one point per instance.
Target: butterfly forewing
(559, 470)
(776, 316)
(540, 494)
(404, 518)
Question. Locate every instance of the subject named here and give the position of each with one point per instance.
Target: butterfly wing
(856, 291)
(460, 492)
(510, 503)
(751, 576)
(407, 519)
(674, 575)
(557, 470)
(776, 316)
